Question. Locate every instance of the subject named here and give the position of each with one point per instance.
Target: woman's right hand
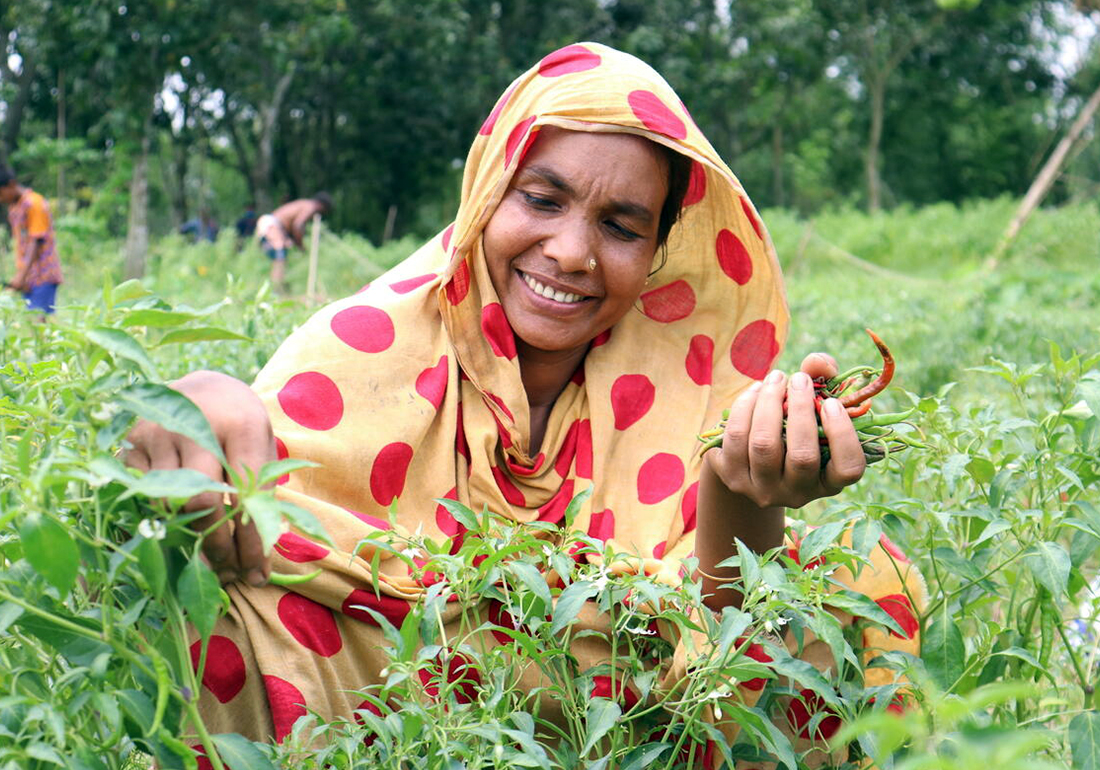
(243, 429)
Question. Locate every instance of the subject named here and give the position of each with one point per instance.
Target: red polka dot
(312, 400)
(497, 330)
(366, 518)
(602, 525)
(432, 382)
(224, 673)
(659, 549)
(655, 114)
(311, 624)
(287, 704)
(733, 257)
(898, 607)
(700, 359)
(387, 473)
(747, 208)
(391, 608)
(631, 397)
(689, 505)
(578, 377)
(659, 477)
(601, 338)
(520, 469)
(460, 438)
(491, 121)
(754, 349)
(802, 709)
(515, 137)
(445, 240)
(281, 453)
(459, 286)
(893, 550)
(460, 672)
(757, 653)
(409, 284)
(502, 432)
(572, 58)
(568, 450)
(697, 184)
(554, 510)
(446, 522)
(583, 464)
(293, 547)
(201, 762)
(508, 489)
(499, 616)
(364, 328)
(670, 302)
(364, 288)
(602, 688)
(494, 398)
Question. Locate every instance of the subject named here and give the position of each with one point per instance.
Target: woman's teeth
(546, 291)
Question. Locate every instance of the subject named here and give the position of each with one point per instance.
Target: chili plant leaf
(1050, 564)
(601, 716)
(570, 602)
(200, 334)
(943, 651)
(1084, 740)
(240, 753)
(171, 410)
(263, 511)
(121, 345)
(200, 595)
(818, 540)
(151, 563)
(50, 549)
(179, 484)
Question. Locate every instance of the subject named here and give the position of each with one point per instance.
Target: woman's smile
(548, 291)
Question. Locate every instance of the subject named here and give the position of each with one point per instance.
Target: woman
(605, 292)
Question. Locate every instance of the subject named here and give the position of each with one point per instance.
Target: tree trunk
(61, 138)
(1047, 176)
(137, 234)
(269, 120)
(13, 116)
(877, 88)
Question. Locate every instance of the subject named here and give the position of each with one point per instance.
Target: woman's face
(577, 196)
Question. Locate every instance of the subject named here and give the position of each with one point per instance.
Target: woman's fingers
(802, 462)
(819, 365)
(846, 460)
(766, 449)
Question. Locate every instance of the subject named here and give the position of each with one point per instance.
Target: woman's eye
(622, 232)
(538, 201)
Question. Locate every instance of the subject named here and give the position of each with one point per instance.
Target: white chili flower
(152, 529)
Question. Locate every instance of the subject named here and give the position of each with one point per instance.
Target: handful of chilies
(854, 389)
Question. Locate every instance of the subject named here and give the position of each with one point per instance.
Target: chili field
(1000, 363)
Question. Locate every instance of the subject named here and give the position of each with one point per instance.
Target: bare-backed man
(285, 227)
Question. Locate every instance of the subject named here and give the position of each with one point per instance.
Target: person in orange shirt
(37, 269)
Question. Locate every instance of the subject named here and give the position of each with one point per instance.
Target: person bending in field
(285, 227)
(37, 269)
(604, 272)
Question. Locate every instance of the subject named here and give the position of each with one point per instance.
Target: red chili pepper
(880, 382)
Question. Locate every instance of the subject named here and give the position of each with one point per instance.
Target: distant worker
(285, 226)
(37, 269)
(201, 228)
(246, 225)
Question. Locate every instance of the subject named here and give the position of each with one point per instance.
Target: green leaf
(644, 756)
(570, 602)
(531, 578)
(461, 513)
(866, 534)
(121, 345)
(276, 468)
(601, 716)
(240, 753)
(818, 540)
(151, 563)
(178, 484)
(200, 595)
(732, 626)
(171, 410)
(943, 651)
(1084, 740)
(200, 334)
(1089, 389)
(138, 706)
(981, 470)
(1050, 564)
(862, 605)
(127, 290)
(154, 317)
(263, 509)
(574, 506)
(79, 648)
(50, 549)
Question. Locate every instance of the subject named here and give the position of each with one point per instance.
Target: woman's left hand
(755, 462)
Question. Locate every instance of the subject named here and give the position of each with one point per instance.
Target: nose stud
(592, 265)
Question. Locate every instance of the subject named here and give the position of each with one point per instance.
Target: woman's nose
(570, 244)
